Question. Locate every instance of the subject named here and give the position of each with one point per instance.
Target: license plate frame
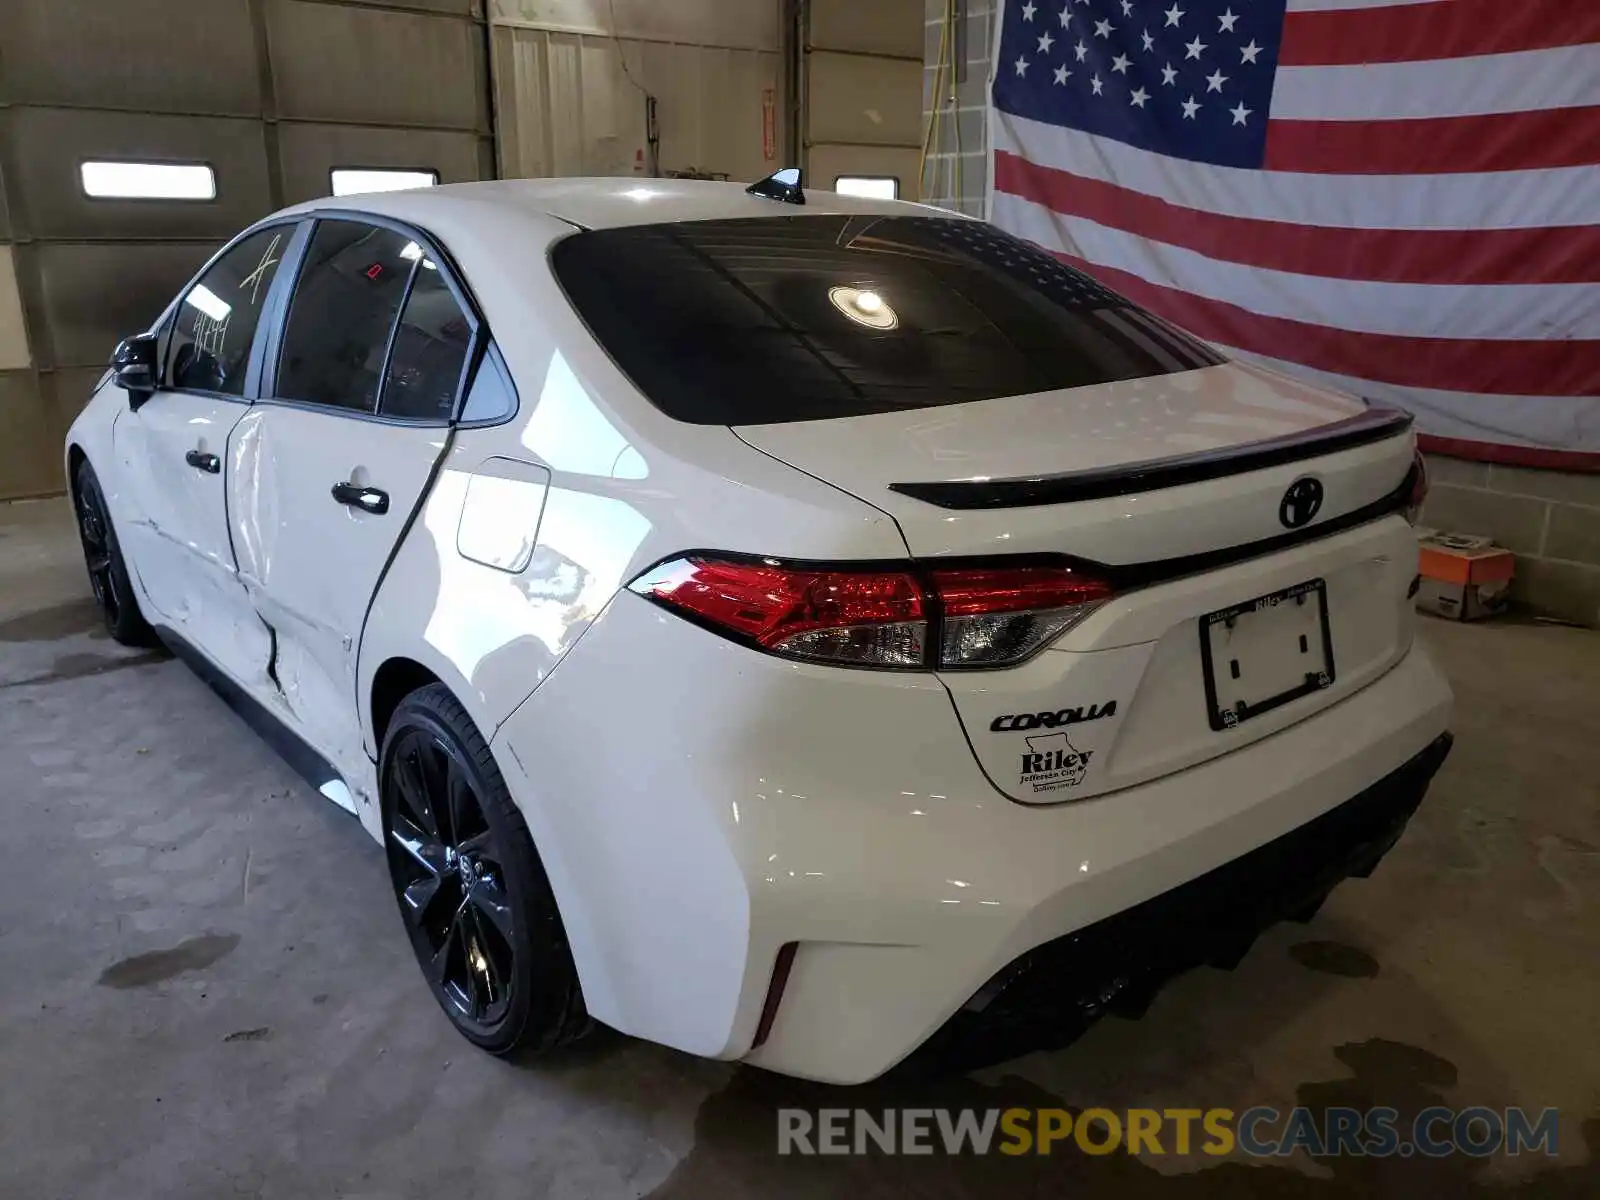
(1221, 719)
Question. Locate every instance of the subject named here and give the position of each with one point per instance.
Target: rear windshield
(801, 318)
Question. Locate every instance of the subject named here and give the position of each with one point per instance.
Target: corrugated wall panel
(520, 136)
(735, 129)
(863, 91)
(887, 28)
(64, 392)
(460, 8)
(147, 55)
(54, 141)
(856, 99)
(94, 294)
(310, 151)
(571, 97)
(14, 353)
(334, 62)
(564, 77)
(25, 429)
(747, 24)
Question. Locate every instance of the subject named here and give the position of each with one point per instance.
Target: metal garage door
(862, 91)
(573, 77)
(270, 95)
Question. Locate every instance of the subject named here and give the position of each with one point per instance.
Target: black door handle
(367, 499)
(204, 462)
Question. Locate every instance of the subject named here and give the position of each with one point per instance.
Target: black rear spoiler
(1374, 425)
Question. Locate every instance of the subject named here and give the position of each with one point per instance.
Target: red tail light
(1418, 492)
(872, 617)
(987, 616)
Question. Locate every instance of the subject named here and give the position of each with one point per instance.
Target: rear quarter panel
(495, 634)
(608, 486)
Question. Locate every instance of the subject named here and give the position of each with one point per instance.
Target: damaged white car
(789, 627)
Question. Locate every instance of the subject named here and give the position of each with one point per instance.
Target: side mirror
(133, 367)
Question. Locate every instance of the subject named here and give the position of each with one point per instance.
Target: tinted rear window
(801, 318)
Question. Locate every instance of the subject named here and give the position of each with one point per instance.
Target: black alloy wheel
(449, 874)
(102, 555)
(474, 897)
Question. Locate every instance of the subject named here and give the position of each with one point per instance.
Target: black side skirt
(268, 726)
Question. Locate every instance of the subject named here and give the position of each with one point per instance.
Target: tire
(472, 893)
(102, 556)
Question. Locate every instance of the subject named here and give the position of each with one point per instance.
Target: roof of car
(604, 203)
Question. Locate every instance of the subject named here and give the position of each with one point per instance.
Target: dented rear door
(334, 461)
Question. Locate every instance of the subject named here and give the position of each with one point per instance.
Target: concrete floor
(205, 992)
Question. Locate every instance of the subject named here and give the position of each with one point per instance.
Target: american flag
(1400, 198)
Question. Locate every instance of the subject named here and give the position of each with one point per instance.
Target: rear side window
(344, 308)
(430, 351)
(209, 348)
(491, 397)
(800, 318)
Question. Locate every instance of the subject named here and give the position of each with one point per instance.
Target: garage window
(119, 180)
(877, 187)
(354, 181)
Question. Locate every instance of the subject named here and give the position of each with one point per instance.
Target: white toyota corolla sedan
(788, 627)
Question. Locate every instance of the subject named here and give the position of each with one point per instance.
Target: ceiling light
(354, 181)
(875, 187)
(148, 181)
(865, 307)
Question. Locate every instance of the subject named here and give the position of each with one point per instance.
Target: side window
(491, 397)
(430, 351)
(209, 343)
(343, 311)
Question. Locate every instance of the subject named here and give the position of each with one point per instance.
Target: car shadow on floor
(1190, 1045)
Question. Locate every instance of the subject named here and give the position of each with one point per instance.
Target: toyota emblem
(1301, 503)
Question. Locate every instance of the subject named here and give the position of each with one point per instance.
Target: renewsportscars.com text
(1260, 1132)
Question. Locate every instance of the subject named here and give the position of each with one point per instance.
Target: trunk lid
(1103, 436)
(1233, 620)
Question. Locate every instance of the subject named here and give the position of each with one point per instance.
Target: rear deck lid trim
(1099, 483)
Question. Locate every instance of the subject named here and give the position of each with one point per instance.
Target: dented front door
(174, 452)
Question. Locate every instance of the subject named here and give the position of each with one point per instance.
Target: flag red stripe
(1432, 256)
(1419, 32)
(1565, 367)
(1557, 137)
(1511, 456)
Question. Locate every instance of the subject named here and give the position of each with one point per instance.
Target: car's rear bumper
(698, 807)
(1050, 994)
